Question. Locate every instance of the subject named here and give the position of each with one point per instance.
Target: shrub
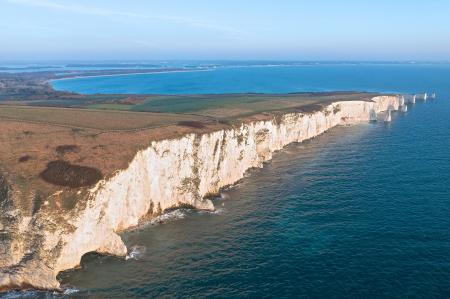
(62, 173)
(24, 158)
(192, 124)
(68, 148)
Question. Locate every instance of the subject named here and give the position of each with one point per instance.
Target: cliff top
(45, 150)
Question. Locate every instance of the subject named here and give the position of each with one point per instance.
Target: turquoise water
(359, 212)
(263, 79)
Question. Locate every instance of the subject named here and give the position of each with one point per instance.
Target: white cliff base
(170, 173)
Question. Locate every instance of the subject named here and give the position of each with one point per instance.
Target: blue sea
(262, 78)
(359, 212)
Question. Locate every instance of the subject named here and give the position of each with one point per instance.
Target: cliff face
(169, 173)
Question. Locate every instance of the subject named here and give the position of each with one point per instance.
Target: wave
(70, 291)
(224, 196)
(170, 216)
(136, 252)
(38, 294)
(218, 211)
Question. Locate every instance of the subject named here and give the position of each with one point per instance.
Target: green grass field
(235, 105)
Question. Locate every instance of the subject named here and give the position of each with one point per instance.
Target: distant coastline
(129, 74)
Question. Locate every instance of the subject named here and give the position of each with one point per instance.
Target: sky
(224, 29)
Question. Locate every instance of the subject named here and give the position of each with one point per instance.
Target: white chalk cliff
(168, 173)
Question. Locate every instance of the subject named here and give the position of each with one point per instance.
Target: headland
(77, 170)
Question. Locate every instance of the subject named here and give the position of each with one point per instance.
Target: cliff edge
(180, 171)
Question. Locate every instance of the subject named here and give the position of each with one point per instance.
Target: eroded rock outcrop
(169, 173)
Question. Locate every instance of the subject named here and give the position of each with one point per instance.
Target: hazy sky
(226, 29)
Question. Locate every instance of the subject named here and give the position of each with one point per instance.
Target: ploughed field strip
(92, 119)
